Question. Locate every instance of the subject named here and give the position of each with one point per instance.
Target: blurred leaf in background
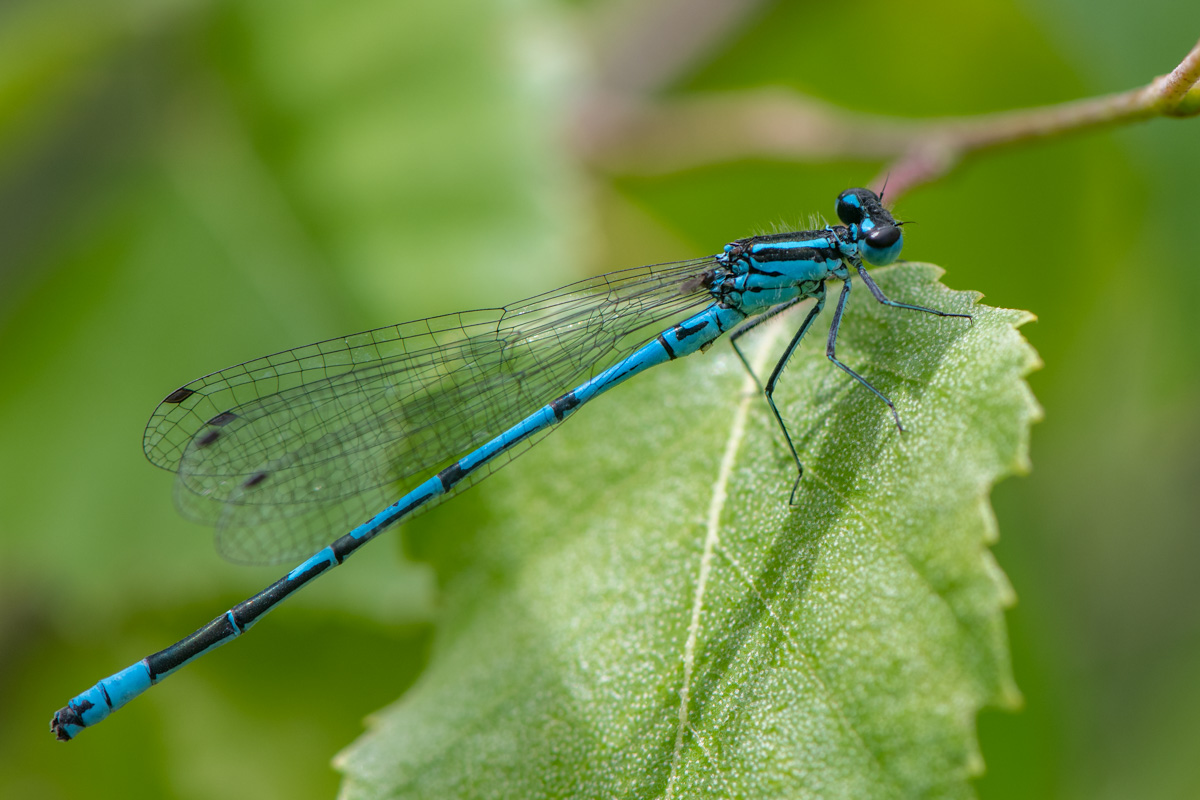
(185, 185)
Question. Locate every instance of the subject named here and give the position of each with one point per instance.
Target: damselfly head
(880, 240)
(856, 206)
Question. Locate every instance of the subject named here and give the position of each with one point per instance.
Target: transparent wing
(284, 453)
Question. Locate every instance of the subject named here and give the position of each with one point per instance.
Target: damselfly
(279, 451)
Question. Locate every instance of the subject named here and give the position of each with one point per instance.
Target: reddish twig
(621, 132)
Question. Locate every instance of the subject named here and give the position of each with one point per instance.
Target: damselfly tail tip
(64, 719)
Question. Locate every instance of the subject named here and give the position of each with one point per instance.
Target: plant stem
(624, 132)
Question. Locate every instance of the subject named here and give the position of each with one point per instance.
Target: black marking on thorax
(772, 254)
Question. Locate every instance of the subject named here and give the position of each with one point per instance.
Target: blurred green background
(186, 184)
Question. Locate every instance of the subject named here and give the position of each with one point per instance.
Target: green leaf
(645, 615)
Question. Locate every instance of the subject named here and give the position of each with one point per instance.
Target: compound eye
(849, 207)
(883, 237)
(881, 246)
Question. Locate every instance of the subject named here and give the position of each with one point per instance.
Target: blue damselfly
(277, 452)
